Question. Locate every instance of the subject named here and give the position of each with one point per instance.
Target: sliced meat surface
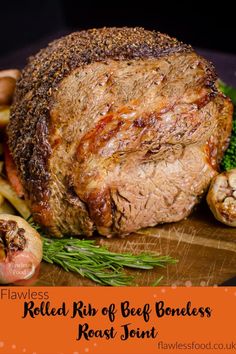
(117, 129)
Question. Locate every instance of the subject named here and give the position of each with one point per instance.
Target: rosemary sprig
(97, 262)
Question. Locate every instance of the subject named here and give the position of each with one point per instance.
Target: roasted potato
(8, 193)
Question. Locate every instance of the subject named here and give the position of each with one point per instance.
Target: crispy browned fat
(116, 129)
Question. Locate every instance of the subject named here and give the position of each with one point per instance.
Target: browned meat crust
(32, 129)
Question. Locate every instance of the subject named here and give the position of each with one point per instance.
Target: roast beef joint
(116, 129)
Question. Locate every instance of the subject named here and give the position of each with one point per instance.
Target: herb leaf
(228, 91)
(97, 262)
(229, 160)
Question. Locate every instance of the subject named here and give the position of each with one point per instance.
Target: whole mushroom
(221, 197)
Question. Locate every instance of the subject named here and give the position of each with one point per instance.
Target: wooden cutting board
(204, 248)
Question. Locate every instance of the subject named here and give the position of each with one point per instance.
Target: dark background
(204, 24)
(28, 25)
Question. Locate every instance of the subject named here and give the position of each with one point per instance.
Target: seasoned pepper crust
(29, 126)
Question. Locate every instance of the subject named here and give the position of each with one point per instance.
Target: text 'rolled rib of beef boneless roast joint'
(116, 129)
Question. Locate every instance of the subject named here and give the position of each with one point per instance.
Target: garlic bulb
(20, 249)
(221, 197)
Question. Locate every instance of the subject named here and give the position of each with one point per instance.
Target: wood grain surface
(204, 248)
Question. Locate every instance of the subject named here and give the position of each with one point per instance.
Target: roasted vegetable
(7, 88)
(229, 160)
(4, 116)
(8, 80)
(6, 208)
(20, 249)
(14, 73)
(19, 204)
(221, 197)
(11, 172)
